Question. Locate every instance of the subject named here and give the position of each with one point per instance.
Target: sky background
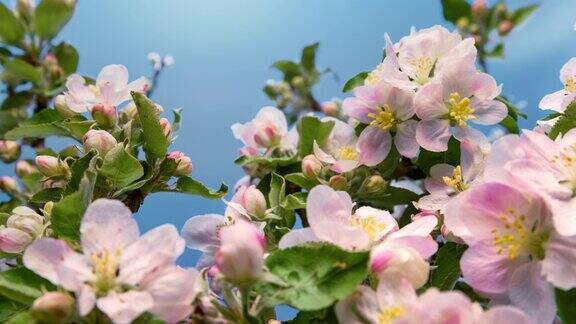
(223, 51)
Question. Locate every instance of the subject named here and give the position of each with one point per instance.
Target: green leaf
(454, 9)
(301, 180)
(510, 124)
(427, 159)
(521, 14)
(387, 199)
(312, 277)
(566, 122)
(155, 143)
(22, 285)
(32, 182)
(9, 308)
(11, 30)
(312, 129)
(288, 68)
(193, 187)
(46, 195)
(355, 81)
(295, 201)
(22, 318)
(51, 16)
(271, 162)
(323, 316)
(76, 129)
(67, 213)
(566, 303)
(67, 57)
(447, 270)
(308, 59)
(23, 70)
(9, 119)
(77, 171)
(121, 167)
(497, 52)
(513, 111)
(277, 190)
(41, 124)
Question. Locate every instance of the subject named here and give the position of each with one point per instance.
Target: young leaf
(51, 15)
(193, 187)
(121, 167)
(455, 9)
(300, 180)
(566, 303)
(40, 125)
(308, 59)
(9, 308)
(24, 317)
(447, 270)
(288, 68)
(155, 143)
(22, 285)
(67, 57)
(277, 190)
(67, 213)
(23, 70)
(314, 276)
(355, 81)
(294, 201)
(77, 172)
(11, 31)
(312, 129)
(523, 13)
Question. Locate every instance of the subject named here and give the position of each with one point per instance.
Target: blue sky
(223, 50)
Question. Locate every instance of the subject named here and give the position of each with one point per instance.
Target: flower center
(105, 270)
(459, 109)
(383, 117)
(516, 237)
(567, 161)
(347, 153)
(389, 314)
(94, 89)
(571, 85)
(456, 182)
(370, 225)
(422, 67)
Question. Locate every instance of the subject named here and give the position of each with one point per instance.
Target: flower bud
(13, 240)
(166, 127)
(184, 164)
(252, 200)
(105, 115)
(330, 108)
(51, 166)
(62, 108)
(24, 168)
(311, 166)
(298, 82)
(373, 184)
(478, 7)
(338, 182)
(240, 256)
(394, 264)
(8, 184)
(99, 140)
(9, 151)
(26, 220)
(267, 136)
(53, 307)
(505, 27)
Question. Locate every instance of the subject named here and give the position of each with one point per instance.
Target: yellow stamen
(513, 238)
(389, 314)
(383, 118)
(566, 161)
(459, 109)
(370, 225)
(105, 270)
(422, 67)
(348, 153)
(571, 85)
(456, 181)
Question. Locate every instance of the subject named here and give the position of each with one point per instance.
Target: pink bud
(8, 184)
(393, 264)
(478, 6)
(104, 115)
(166, 127)
(62, 108)
(53, 307)
(267, 136)
(99, 140)
(51, 166)
(184, 164)
(13, 240)
(252, 200)
(24, 168)
(330, 108)
(26, 220)
(311, 166)
(505, 27)
(9, 151)
(240, 256)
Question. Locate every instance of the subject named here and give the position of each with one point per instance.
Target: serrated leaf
(312, 129)
(120, 167)
(194, 187)
(11, 30)
(50, 17)
(355, 81)
(46, 195)
(155, 143)
(447, 263)
(565, 123)
(295, 201)
(67, 213)
(314, 276)
(22, 285)
(41, 124)
(77, 171)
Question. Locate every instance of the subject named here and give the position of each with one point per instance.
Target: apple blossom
(117, 266)
(559, 100)
(22, 227)
(183, 163)
(341, 151)
(111, 89)
(387, 111)
(515, 253)
(106, 116)
(99, 140)
(247, 201)
(266, 130)
(202, 233)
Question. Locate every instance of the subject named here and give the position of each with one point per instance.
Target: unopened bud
(99, 140)
(505, 27)
(26, 220)
(13, 240)
(166, 127)
(254, 202)
(330, 108)
(500, 8)
(9, 151)
(374, 183)
(338, 182)
(51, 166)
(298, 82)
(267, 136)
(130, 111)
(311, 166)
(8, 184)
(24, 168)
(104, 115)
(183, 162)
(62, 108)
(394, 264)
(53, 307)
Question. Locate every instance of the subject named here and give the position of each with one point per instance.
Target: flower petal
(298, 237)
(405, 139)
(326, 204)
(433, 135)
(488, 112)
(429, 102)
(200, 232)
(125, 307)
(373, 145)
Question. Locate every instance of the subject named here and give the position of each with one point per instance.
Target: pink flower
(111, 89)
(456, 97)
(514, 253)
(341, 151)
(117, 264)
(22, 227)
(266, 130)
(560, 99)
(387, 111)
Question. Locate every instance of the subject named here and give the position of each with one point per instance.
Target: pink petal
(433, 135)
(557, 266)
(323, 156)
(113, 75)
(405, 139)
(422, 226)
(429, 102)
(531, 293)
(342, 166)
(505, 315)
(200, 232)
(554, 101)
(326, 204)
(483, 86)
(125, 307)
(488, 112)
(435, 183)
(484, 269)
(568, 70)
(298, 237)
(345, 236)
(373, 145)
(86, 299)
(360, 306)
(357, 109)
